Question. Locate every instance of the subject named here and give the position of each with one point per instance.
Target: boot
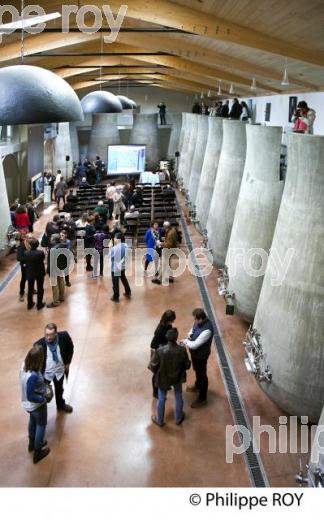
(40, 454)
(31, 444)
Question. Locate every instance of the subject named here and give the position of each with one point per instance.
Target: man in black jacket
(169, 364)
(58, 352)
(57, 261)
(199, 343)
(35, 272)
(236, 110)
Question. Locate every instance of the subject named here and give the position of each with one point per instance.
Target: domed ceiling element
(101, 102)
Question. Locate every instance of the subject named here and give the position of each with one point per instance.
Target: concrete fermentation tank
(226, 188)
(290, 311)
(145, 131)
(182, 131)
(316, 462)
(185, 143)
(193, 123)
(255, 217)
(198, 157)
(209, 169)
(104, 132)
(174, 119)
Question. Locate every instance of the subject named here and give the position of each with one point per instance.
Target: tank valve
(302, 477)
(223, 280)
(254, 358)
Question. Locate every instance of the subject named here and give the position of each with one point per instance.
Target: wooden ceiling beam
(188, 49)
(208, 25)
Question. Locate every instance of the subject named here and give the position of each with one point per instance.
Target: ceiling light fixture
(285, 78)
(253, 84)
(231, 90)
(219, 92)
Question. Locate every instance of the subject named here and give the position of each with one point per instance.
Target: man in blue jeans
(169, 364)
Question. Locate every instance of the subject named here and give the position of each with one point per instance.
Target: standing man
(199, 342)
(171, 241)
(33, 259)
(118, 267)
(60, 192)
(60, 263)
(169, 364)
(236, 110)
(58, 352)
(111, 190)
(162, 112)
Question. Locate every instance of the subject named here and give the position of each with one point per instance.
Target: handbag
(49, 394)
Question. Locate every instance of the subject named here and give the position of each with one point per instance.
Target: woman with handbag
(34, 396)
(159, 338)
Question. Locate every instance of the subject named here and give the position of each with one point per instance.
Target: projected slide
(124, 160)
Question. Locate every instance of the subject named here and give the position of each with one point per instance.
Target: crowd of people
(48, 362)
(238, 110)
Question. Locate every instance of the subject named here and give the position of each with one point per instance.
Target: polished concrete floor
(109, 439)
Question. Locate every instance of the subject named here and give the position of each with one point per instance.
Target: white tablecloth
(149, 178)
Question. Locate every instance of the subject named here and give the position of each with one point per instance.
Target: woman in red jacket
(22, 219)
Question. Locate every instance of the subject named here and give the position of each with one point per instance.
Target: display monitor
(37, 185)
(126, 160)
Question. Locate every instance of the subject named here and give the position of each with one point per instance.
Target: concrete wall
(175, 119)
(290, 312)
(280, 109)
(62, 148)
(5, 220)
(145, 131)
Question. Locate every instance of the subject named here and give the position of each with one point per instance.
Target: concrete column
(255, 217)
(174, 119)
(186, 130)
(62, 148)
(226, 188)
(104, 132)
(5, 220)
(190, 150)
(209, 169)
(182, 131)
(290, 311)
(74, 142)
(145, 131)
(317, 453)
(198, 157)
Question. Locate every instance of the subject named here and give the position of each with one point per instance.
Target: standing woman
(34, 402)
(22, 219)
(245, 111)
(159, 338)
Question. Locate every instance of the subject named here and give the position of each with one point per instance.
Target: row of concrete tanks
(251, 215)
(105, 131)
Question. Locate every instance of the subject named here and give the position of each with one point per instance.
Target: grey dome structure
(127, 103)
(33, 95)
(101, 102)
